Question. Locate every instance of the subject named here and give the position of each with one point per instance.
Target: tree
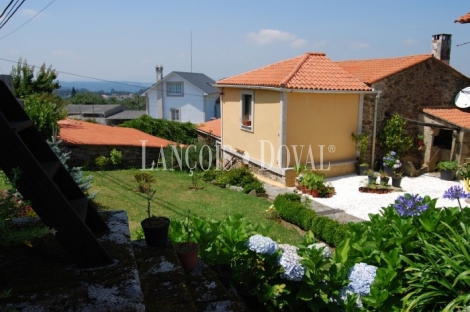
(44, 113)
(394, 136)
(87, 98)
(74, 92)
(25, 84)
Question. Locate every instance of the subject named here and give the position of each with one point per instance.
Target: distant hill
(127, 86)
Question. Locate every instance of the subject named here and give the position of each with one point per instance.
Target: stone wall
(85, 155)
(427, 84)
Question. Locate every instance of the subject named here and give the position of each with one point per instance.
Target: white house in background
(183, 96)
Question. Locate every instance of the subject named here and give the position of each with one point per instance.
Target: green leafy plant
(439, 275)
(101, 162)
(144, 186)
(394, 136)
(447, 165)
(115, 157)
(361, 141)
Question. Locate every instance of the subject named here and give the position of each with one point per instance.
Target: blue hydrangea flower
(410, 205)
(290, 261)
(262, 244)
(360, 276)
(326, 252)
(393, 153)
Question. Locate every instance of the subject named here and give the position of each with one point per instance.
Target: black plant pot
(447, 175)
(396, 182)
(361, 169)
(156, 231)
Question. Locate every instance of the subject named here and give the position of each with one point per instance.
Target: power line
(11, 15)
(28, 20)
(103, 80)
(6, 8)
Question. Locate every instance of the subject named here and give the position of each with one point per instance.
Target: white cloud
(269, 36)
(360, 46)
(410, 42)
(31, 13)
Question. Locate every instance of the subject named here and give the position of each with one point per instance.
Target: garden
(413, 255)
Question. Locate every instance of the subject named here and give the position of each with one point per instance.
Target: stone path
(274, 188)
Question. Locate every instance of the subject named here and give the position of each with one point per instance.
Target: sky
(125, 40)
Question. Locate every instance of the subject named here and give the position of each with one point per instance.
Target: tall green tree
(74, 92)
(26, 84)
(45, 113)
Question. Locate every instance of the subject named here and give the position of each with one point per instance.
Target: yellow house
(297, 111)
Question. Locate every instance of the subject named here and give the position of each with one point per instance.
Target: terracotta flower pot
(188, 255)
(314, 193)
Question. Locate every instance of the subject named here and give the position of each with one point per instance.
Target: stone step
(166, 287)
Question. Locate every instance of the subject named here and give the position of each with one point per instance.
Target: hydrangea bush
(411, 256)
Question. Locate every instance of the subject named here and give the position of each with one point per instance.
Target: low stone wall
(85, 155)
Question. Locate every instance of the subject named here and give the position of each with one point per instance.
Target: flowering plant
(456, 192)
(391, 160)
(361, 276)
(410, 205)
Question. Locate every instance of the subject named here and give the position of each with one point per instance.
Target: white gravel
(351, 201)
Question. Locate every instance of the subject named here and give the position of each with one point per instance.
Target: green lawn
(116, 190)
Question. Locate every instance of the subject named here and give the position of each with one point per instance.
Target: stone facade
(85, 155)
(427, 84)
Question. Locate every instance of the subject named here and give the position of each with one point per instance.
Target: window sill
(246, 128)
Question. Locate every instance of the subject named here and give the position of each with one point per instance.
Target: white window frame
(173, 111)
(176, 83)
(243, 115)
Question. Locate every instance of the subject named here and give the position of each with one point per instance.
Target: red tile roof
(373, 70)
(311, 71)
(87, 133)
(463, 19)
(454, 116)
(212, 127)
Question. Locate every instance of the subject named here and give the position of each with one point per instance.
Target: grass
(174, 196)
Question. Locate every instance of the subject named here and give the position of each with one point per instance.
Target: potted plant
(155, 228)
(463, 171)
(420, 140)
(362, 143)
(187, 251)
(384, 177)
(396, 177)
(314, 181)
(391, 162)
(299, 169)
(246, 121)
(372, 176)
(447, 169)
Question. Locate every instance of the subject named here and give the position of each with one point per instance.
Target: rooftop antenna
(191, 51)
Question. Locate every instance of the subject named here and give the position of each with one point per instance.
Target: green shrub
(115, 157)
(101, 162)
(179, 132)
(292, 210)
(241, 177)
(210, 175)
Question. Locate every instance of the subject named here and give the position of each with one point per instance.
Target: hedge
(291, 209)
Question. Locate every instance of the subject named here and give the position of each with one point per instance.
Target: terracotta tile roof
(454, 116)
(463, 19)
(373, 70)
(311, 71)
(212, 127)
(86, 133)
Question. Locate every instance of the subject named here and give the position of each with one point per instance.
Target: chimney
(159, 70)
(440, 47)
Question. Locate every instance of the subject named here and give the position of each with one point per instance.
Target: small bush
(101, 162)
(115, 157)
